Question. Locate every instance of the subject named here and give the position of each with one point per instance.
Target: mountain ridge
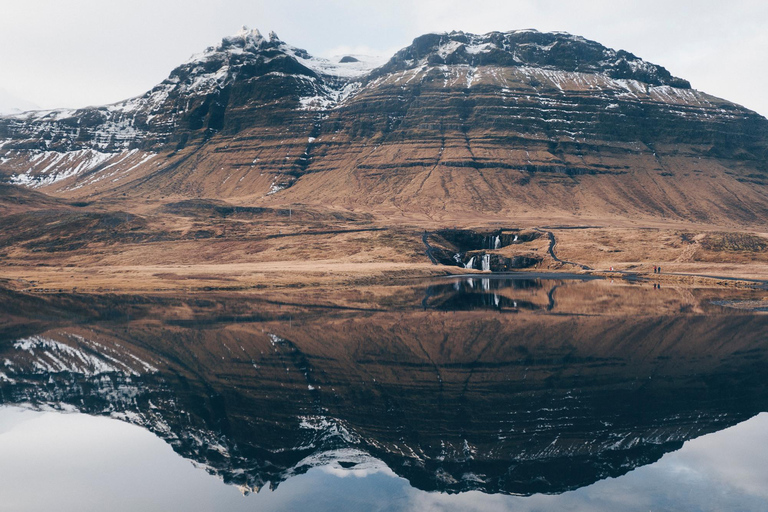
(558, 50)
(463, 120)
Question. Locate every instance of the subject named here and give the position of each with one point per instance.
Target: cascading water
(486, 262)
(470, 263)
(497, 242)
(515, 240)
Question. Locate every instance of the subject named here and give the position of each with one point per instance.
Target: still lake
(528, 392)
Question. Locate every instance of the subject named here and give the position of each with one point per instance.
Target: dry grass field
(214, 245)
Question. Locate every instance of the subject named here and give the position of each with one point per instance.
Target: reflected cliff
(588, 379)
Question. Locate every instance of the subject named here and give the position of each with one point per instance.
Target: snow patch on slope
(334, 67)
(87, 358)
(59, 166)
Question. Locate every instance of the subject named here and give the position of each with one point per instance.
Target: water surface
(495, 393)
(89, 463)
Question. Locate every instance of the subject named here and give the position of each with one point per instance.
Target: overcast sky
(73, 53)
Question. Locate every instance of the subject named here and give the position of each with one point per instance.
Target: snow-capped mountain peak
(246, 38)
(558, 51)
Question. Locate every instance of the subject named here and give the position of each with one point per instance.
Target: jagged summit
(244, 55)
(244, 37)
(249, 47)
(549, 50)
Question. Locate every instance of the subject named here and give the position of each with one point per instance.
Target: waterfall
(515, 240)
(470, 263)
(486, 283)
(496, 299)
(497, 243)
(486, 262)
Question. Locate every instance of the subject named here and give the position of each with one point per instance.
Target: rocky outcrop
(477, 250)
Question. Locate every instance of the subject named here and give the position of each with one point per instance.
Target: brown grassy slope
(416, 145)
(16, 199)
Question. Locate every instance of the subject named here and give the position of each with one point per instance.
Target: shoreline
(299, 275)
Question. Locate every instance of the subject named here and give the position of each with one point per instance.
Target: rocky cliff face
(502, 124)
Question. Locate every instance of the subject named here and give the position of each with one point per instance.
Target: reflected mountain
(587, 380)
(480, 293)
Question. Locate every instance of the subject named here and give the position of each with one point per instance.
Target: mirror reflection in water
(522, 391)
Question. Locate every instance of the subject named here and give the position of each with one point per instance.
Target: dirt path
(425, 239)
(327, 232)
(551, 250)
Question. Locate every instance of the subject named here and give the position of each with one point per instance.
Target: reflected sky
(75, 462)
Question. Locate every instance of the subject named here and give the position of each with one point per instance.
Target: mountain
(501, 125)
